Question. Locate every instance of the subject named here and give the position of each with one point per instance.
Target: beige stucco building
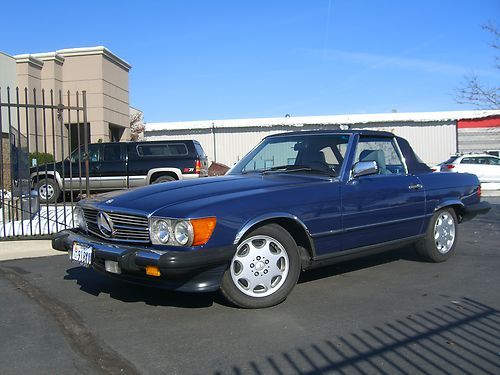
(96, 70)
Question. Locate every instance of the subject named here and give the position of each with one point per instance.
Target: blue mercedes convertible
(295, 202)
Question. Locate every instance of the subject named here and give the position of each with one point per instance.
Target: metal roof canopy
(376, 118)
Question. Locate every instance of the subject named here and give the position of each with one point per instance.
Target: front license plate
(82, 254)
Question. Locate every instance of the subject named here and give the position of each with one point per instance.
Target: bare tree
(474, 91)
(136, 125)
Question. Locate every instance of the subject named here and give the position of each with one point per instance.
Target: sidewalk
(26, 249)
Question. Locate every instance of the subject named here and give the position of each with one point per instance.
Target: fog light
(152, 271)
(112, 266)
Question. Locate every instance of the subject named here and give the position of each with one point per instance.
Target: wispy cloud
(380, 61)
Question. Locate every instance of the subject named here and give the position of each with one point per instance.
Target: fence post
(86, 142)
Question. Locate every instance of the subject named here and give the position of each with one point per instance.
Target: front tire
(264, 269)
(441, 237)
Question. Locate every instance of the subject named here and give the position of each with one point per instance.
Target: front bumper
(186, 271)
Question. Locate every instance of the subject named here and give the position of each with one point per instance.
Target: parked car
(486, 167)
(295, 202)
(115, 166)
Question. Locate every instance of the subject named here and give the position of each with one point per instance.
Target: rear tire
(163, 179)
(264, 269)
(48, 190)
(441, 237)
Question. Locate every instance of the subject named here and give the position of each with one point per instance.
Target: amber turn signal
(202, 229)
(152, 271)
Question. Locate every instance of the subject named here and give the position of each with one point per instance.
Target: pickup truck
(114, 166)
(295, 202)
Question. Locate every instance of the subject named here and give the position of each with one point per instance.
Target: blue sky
(229, 59)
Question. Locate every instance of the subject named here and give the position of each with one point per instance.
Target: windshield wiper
(296, 168)
(280, 167)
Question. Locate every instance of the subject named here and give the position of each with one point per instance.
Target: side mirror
(364, 168)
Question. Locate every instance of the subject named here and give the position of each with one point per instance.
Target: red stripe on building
(487, 122)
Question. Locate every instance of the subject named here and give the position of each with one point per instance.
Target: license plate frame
(82, 254)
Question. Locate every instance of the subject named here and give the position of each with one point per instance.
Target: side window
(494, 161)
(112, 153)
(75, 155)
(93, 152)
(381, 150)
(467, 161)
(171, 149)
(177, 149)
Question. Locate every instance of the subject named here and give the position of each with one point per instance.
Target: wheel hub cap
(260, 266)
(46, 191)
(444, 232)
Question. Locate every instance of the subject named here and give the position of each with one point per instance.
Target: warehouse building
(434, 135)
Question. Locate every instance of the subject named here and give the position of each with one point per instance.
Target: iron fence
(44, 164)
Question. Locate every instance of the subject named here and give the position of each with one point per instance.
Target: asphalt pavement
(388, 313)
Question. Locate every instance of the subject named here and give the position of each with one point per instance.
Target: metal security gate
(41, 176)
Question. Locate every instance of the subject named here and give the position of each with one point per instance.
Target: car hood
(149, 199)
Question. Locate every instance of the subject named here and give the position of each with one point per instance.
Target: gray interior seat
(375, 155)
(313, 157)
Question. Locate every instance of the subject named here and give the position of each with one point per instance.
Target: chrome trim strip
(332, 232)
(448, 203)
(275, 215)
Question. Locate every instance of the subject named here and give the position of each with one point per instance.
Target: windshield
(321, 154)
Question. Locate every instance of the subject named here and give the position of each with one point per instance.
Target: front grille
(127, 228)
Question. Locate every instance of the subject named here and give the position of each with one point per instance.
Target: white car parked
(485, 167)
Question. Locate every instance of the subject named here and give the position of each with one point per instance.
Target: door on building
(115, 133)
(78, 135)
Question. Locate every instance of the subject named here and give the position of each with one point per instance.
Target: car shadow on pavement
(95, 283)
(460, 337)
(407, 253)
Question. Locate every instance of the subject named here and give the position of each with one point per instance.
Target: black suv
(115, 166)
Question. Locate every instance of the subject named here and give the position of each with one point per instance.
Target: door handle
(415, 187)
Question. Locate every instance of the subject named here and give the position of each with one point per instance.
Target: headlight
(161, 231)
(183, 232)
(79, 219)
(178, 232)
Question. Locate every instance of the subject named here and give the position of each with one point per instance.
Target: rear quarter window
(159, 150)
(199, 150)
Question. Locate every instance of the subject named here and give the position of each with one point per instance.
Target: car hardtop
(413, 163)
(371, 133)
(132, 143)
